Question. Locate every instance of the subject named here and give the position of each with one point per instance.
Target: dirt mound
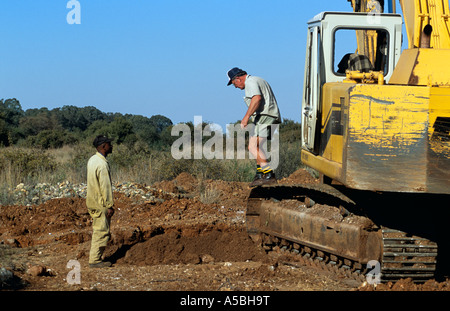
(183, 183)
(300, 176)
(27, 224)
(194, 245)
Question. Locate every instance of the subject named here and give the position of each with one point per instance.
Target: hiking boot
(257, 180)
(101, 264)
(269, 179)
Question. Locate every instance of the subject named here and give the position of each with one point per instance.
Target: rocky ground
(180, 235)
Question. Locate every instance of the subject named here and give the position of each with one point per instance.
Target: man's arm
(254, 105)
(104, 180)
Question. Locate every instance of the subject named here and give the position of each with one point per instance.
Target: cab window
(360, 49)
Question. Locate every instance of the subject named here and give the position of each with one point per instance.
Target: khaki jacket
(99, 187)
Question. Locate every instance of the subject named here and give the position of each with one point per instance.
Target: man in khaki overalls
(99, 200)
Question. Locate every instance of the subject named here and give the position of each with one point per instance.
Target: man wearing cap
(99, 200)
(262, 112)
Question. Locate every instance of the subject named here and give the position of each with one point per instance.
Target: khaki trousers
(100, 234)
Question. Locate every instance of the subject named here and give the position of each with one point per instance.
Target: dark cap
(101, 139)
(233, 73)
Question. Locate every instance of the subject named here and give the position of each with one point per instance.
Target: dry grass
(128, 164)
(24, 165)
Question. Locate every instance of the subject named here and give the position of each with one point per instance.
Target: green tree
(73, 118)
(4, 133)
(10, 113)
(144, 128)
(160, 122)
(166, 139)
(32, 112)
(34, 124)
(122, 131)
(51, 139)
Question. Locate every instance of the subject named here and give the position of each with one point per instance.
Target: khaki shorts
(263, 126)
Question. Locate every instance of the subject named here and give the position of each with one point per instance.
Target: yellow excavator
(376, 126)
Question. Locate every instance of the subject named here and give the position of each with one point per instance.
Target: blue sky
(149, 57)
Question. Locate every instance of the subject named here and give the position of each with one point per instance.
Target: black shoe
(269, 179)
(257, 180)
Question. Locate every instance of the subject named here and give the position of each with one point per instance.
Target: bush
(51, 139)
(290, 159)
(19, 165)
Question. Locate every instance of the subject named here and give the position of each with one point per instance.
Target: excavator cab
(333, 41)
(370, 111)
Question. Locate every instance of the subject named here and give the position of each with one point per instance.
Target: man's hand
(110, 212)
(254, 105)
(244, 122)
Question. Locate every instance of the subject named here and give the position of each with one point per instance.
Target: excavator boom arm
(426, 21)
(420, 13)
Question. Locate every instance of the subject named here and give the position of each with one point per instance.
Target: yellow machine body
(385, 137)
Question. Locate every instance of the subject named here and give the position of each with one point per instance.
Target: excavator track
(317, 224)
(407, 257)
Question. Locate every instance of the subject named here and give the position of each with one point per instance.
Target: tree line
(69, 125)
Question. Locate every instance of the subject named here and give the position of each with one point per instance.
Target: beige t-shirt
(258, 86)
